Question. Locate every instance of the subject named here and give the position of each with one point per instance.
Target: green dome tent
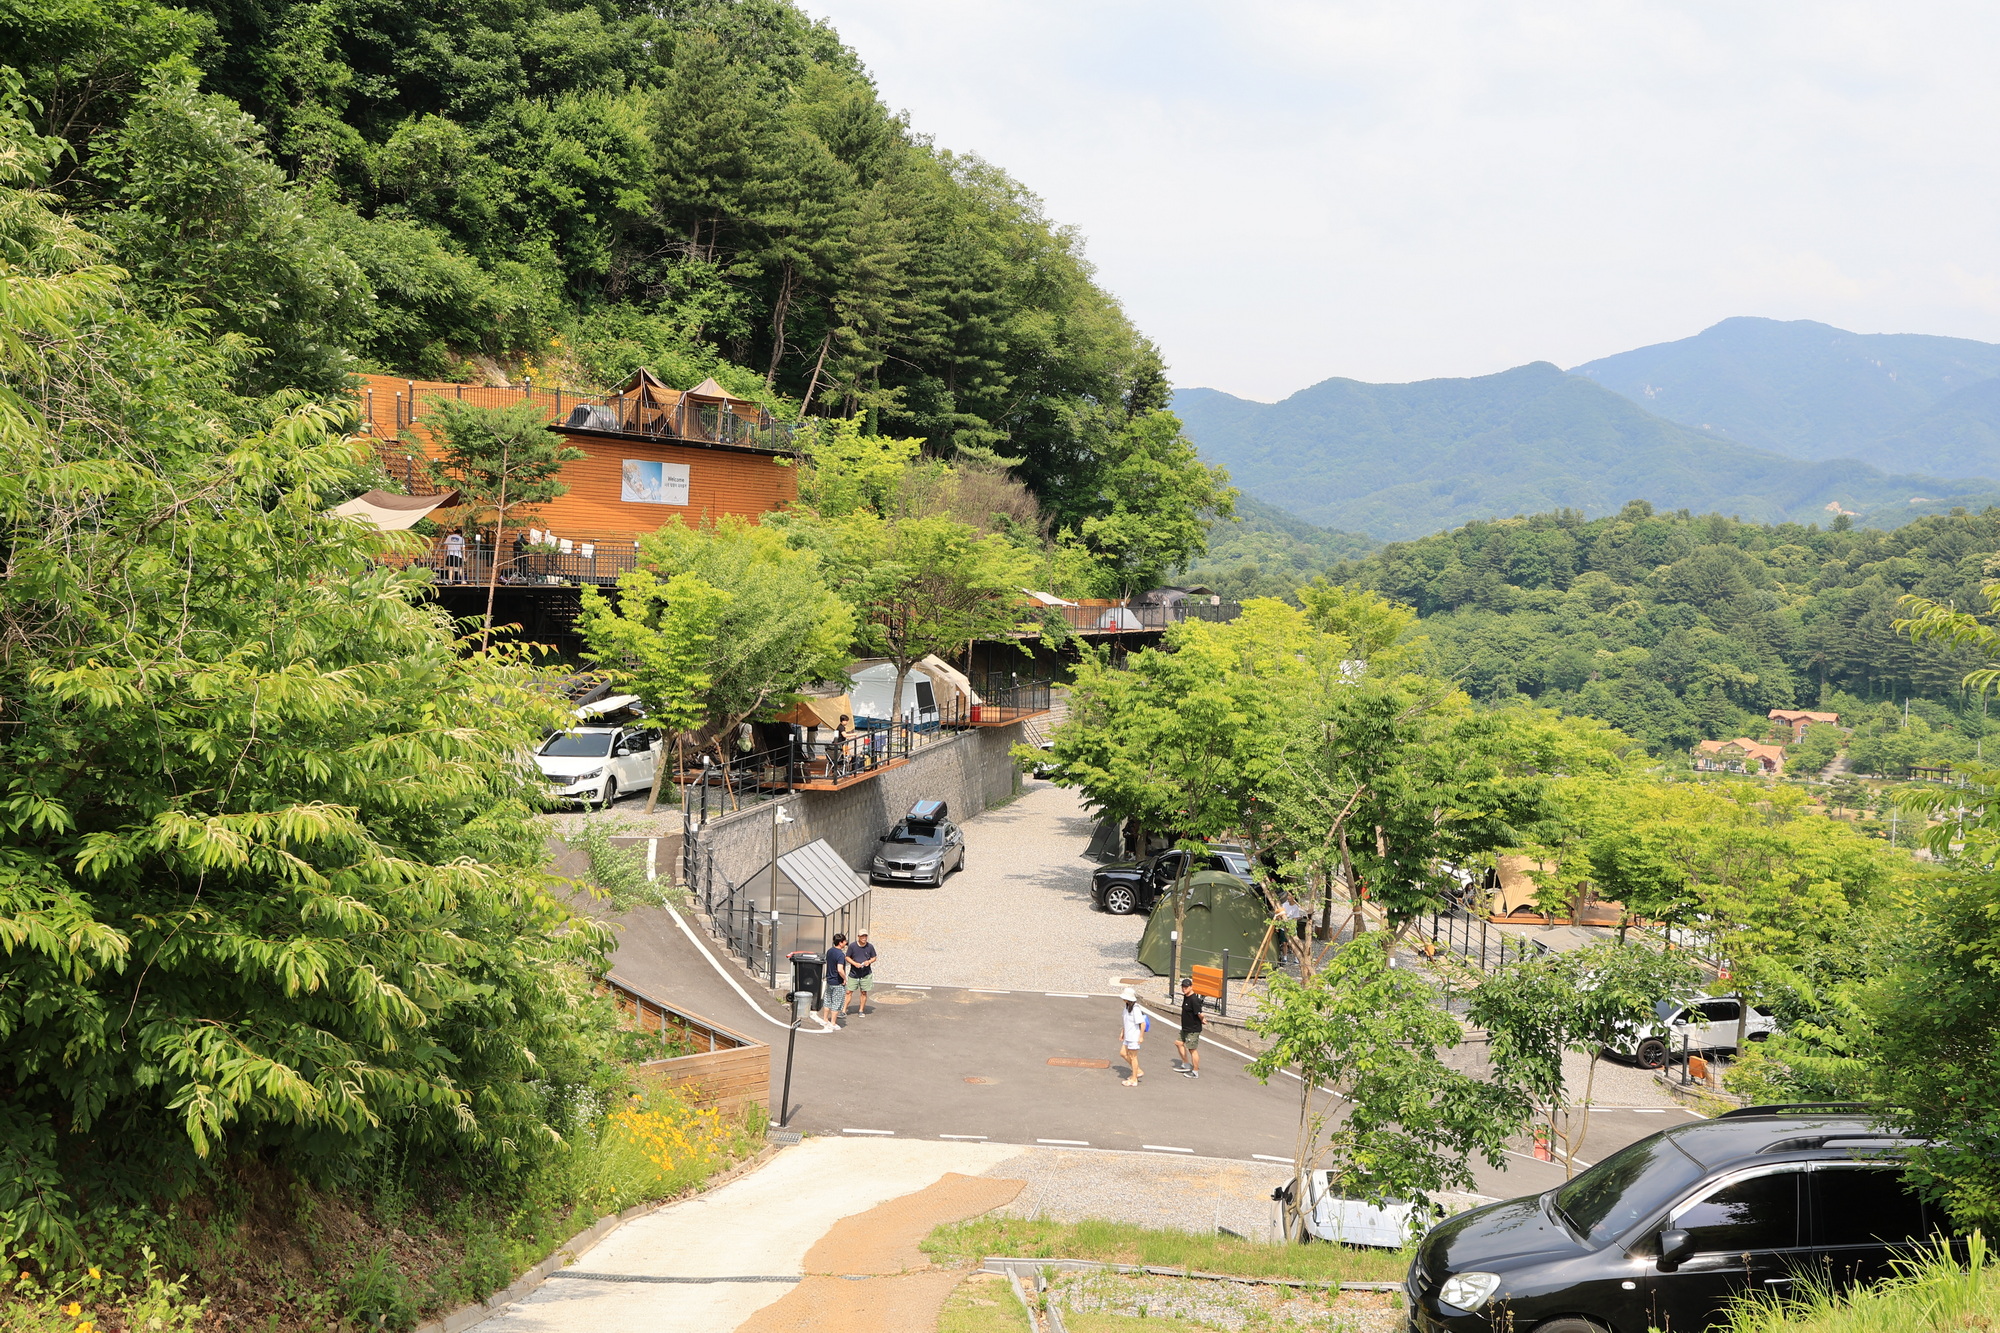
(1222, 913)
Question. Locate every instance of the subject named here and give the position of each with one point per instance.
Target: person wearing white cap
(1134, 1034)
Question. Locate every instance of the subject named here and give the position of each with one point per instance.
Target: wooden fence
(727, 1069)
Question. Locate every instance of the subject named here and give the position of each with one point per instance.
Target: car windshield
(925, 835)
(577, 745)
(1666, 1009)
(1235, 865)
(1626, 1187)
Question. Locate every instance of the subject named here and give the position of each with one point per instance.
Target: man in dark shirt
(1189, 1045)
(836, 979)
(861, 972)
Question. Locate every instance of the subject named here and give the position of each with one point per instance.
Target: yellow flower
(94, 1272)
(73, 1309)
(87, 1326)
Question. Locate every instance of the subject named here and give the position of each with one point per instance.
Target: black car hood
(1496, 1237)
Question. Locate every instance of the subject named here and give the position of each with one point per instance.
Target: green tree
(1378, 1106)
(1159, 500)
(1535, 1010)
(207, 223)
(719, 623)
(268, 881)
(920, 586)
(503, 461)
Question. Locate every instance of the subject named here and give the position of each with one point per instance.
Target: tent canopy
(1222, 913)
(709, 389)
(875, 686)
(392, 512)
(1516, 876)
(820, 710)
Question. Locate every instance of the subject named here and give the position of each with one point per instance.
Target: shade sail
(392, 512)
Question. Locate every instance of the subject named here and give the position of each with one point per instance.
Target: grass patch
(1123, 1243)
(1933, 1294)
(983, 1303)
(1127, 1323)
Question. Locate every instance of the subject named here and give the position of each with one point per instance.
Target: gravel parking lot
(1018, 917)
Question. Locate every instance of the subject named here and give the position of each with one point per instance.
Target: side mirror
(1675, 1245)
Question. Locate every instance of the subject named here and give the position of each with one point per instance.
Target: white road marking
(1161, 1147)
(1645, 1110)
(1066, 1143)
(824, 1026)
(981, 990)
(1530, 1157)
(900, 986)
(1064, 994)
(1262, 1157)
(868, 1131)
(961, 1136)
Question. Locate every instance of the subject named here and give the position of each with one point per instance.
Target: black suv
(1124, 887)
(1664, 1233)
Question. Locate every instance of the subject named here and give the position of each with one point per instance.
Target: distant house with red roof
(1799, 720)
(1741, 755)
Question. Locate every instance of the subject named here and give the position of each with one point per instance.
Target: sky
(1394, 190)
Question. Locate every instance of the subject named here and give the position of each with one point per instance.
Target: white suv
(1706, 1024)
(593, 764)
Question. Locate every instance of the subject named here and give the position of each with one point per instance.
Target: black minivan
(1663, 1233)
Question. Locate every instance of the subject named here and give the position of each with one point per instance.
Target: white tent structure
(934, 688)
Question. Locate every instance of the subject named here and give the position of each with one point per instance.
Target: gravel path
(1018, 917)
(1148, 1189)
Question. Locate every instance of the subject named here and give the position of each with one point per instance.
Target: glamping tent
(392, 512)
(1222, 913)
(934, 691)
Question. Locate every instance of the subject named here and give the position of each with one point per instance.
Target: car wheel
(1760, 1036)
(610, 792)
(1569, 1326)
(1120, 901)
(1652, 1054)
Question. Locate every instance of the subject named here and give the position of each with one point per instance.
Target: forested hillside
(1901, 401)
(568, 190)
(1266, 552)
(1677, 628)
(1400, 460)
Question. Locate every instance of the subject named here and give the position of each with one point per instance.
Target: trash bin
(808, 972)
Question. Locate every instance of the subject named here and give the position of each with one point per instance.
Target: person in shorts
(836, 980)
(1189, 1046)
(860, 972)
(1132, 1033)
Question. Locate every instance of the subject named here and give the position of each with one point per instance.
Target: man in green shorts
(1189, 1045)
(860, 972)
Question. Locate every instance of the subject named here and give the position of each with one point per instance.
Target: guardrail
(729, 1070)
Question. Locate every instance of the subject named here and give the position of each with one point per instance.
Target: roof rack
(1801, 1108)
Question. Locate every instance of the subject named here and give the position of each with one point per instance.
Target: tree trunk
(1180, 917)
(493, 574)
(812, 385)
(896, 699)
(659, 772)
(779, 307)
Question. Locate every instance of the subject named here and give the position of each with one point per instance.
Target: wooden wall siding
(732, 1081)
(719, 481)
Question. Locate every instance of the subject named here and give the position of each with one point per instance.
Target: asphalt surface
(969, 1065)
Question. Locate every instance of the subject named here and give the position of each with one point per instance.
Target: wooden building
(651, 452)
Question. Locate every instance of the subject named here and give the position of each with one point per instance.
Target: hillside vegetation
(1905, 402)
(1398, 461)
(1676, 628)
(569, 190)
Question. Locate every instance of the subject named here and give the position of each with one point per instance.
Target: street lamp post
(779, 815)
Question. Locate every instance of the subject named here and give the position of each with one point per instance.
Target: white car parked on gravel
(594, 764)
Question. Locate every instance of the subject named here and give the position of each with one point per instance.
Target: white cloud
(1282, 190)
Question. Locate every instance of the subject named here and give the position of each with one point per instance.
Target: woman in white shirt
(1134, 1034)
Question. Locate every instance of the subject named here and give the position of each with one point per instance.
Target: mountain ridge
(1401, 461)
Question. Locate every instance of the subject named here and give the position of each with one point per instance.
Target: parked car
(1664, 1233)
(1125, 887)
(1708, 1023)
(593, 764)
(922, 848)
